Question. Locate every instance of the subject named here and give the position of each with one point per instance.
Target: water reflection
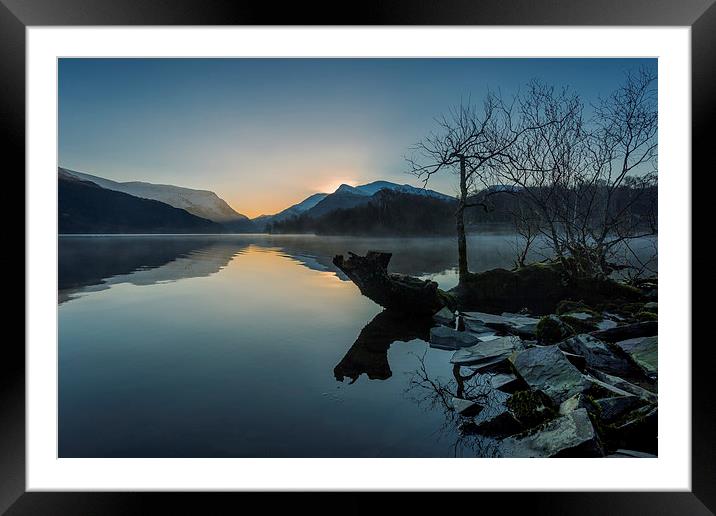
(369, 353)
(230, 346)
(433, 392)
(94, 263)
(91, 264)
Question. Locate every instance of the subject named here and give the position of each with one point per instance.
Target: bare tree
(466, 141)
(583, 178)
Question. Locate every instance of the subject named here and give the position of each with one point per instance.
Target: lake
(252, 346)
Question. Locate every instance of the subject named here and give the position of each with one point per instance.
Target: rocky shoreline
(580, 381)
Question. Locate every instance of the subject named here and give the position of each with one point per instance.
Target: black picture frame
(17, 15)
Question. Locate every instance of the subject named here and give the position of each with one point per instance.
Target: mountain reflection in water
(232, 345)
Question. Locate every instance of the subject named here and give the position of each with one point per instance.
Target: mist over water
(230, 346)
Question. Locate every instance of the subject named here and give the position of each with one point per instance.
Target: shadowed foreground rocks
(581, 381)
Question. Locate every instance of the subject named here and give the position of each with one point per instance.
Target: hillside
(84, 207)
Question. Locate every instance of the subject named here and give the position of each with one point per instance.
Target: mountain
(376, 186)
(347, 196)
(85, 207)
(202, 203)
(388, 212)
(344, 197)
(291, 211)
(341, 199)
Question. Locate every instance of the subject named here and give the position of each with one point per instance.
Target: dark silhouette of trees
(589, 184)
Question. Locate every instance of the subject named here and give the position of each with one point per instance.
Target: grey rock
(577, 361)
(600, 389)
(505, 382)
(515, 324)
(442, 337)
(445, 317)
(545, 368)
(638, 430)
(485, 337)
(506, 318)
(571, 435)
(613, 409)
(644, 352)
(477, 327)
(576, 402)
(596, 354)
(497, 364)
(651, 306)
(625, 386)
(486, 351)
(526, 331)
(495, 420)
(606, 324)
(582, 316)
(465, 408)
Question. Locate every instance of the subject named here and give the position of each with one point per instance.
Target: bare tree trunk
(460, 220)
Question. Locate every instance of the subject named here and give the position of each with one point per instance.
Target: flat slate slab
(545, 368)
(495, 420)
(644, 352)
(505, 318)
(625, 386)
(445, 317)
(497, 348)
(613, 409)
(571, 435)
(442, 337)
(477, 326)
(606, 324)
(597, 354)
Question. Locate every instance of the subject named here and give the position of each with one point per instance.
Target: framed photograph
(424, 249)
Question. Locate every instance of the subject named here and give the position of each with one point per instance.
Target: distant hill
(344, 197)
(202, 203)
(292, 211)
(386, 212)
(85, 207)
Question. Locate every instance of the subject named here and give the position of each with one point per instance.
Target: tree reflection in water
(369, 355)
(434, 393)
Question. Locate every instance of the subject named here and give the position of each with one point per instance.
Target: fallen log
(395, 292)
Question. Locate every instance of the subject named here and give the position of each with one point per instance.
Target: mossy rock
(579, 325)
(646, 316)
(567, 305)
(539, 287)
(551, 329)
(531, 407)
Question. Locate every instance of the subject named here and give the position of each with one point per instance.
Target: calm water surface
(251, 346)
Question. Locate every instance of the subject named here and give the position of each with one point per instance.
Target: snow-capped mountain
(345, 196)
(292, 211)
(202, 203)
(376, 186)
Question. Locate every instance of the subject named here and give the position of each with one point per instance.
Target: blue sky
(266, 133)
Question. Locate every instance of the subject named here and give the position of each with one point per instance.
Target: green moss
(531, 407)
(579, 325)
(567, 305)
(550, 329)
(646, 316)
